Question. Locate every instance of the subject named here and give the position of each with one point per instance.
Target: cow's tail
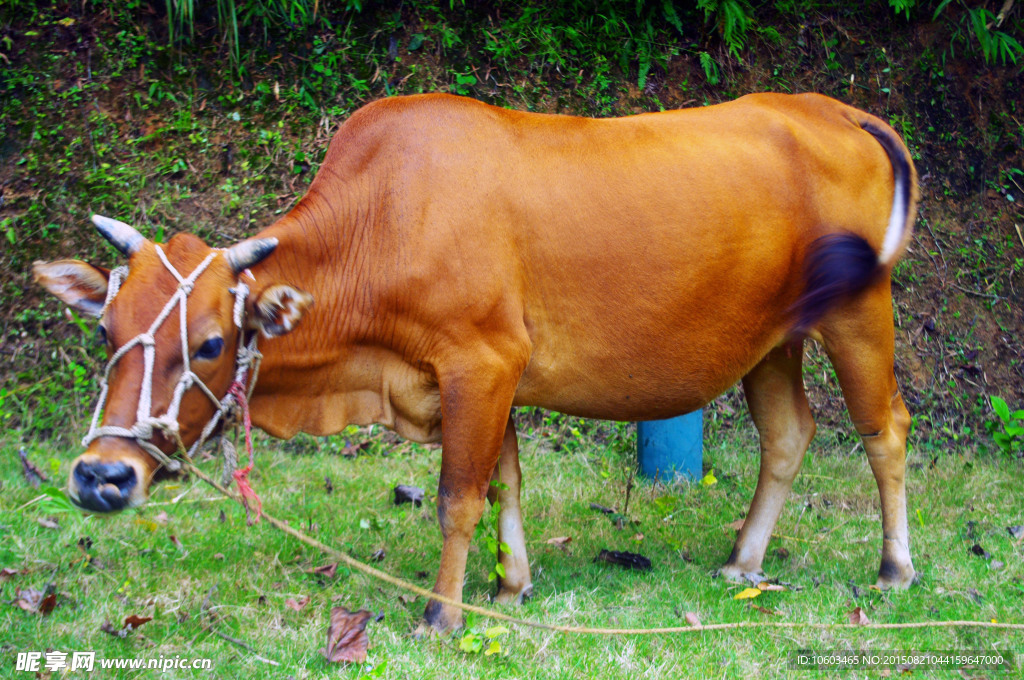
(842, 264)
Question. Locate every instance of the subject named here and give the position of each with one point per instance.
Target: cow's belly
(632, 371)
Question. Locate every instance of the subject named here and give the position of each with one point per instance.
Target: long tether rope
(583, 630)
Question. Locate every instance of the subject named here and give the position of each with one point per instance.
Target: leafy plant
(55, 502)
(978, 28)
(1008, 431)
(477, 639)
(489, 526)
(732, 18)
(710, 66)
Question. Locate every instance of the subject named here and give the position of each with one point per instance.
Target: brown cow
(465, 259)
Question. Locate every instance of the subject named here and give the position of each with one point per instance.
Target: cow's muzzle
(104, 486)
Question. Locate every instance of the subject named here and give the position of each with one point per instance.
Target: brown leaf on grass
(858, 617)
(405, 493)
(33, 475)
(177, 542)
(130, 623)
(735, 526)
(108, 628)
(346, 636)
(624, 559)
(560, 541)
(48, 523)
(35, 601)
(764, 610)
(297, 605)
(134, 621)
(7, 573)
(770, 587)
(693, 619)
(327, 570)
(161, 517)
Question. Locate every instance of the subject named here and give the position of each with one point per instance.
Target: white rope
(146, 424)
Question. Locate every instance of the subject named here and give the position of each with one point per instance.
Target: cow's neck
(334, 370)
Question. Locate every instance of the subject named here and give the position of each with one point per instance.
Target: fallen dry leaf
(297, 605)
(764, 610)
(560, 541)
(327, 570)
(48, 523)
(33, 475)
(858, 617)
(133, 621)
(746, 594)
(161, 517)
(735, 526)
(130, 623)
(624, 559)
(34, 601)
(770, 587)
(405, 493)
(7, 573)
(693, 619)
(108, 628)
(346, 636)
(177, 542)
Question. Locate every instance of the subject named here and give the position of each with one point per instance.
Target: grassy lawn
(188, 561)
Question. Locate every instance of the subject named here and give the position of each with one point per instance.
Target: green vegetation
(188, 560)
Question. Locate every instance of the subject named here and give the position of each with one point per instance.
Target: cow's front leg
(475, 412)
(516, 584)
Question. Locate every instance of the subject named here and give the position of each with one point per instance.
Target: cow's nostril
(111, 494)
(116, 473)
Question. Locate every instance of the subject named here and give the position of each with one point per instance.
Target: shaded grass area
(189, 561)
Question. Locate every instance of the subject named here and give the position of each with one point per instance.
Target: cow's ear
(278, 309)
(79, 284)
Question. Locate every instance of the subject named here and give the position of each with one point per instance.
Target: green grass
(826, 551)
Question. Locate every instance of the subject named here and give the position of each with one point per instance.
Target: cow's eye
(210, 349)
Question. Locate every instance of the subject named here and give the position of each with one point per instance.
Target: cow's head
(116, 470)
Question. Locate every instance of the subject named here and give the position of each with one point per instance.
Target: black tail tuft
(837, 267)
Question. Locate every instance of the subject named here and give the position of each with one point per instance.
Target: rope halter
(146, 424)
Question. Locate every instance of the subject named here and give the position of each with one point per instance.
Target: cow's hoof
(440, 618)
(737, 574)
(898, 577)
(513, 595)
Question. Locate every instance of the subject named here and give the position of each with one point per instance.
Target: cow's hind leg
(778, 405)
(516, 584)
(859, 341)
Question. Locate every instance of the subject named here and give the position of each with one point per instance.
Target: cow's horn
(123, 237)
(243, 255)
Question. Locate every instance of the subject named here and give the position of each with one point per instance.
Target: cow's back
(650, 260)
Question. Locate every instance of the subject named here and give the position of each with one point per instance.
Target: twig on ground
(243, 645)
